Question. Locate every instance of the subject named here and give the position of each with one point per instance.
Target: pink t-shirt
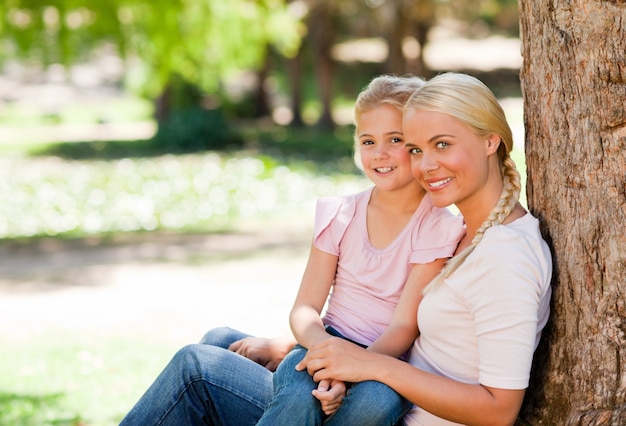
(369, 280)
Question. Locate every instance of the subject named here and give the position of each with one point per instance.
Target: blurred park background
(160, 162)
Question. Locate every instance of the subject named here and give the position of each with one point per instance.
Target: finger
(323, 385)
(236, 345)
(302, 365)
(331, 409)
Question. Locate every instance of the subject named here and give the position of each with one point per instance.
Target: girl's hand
(330, 393)
(337, 359)
(267, 352)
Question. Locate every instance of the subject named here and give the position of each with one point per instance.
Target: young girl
(366, 247)
(481, 318)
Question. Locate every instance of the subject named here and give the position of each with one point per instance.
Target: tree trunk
(574, 85)
(294, 71)
(261, 102)
(322, 37)
(396, 63)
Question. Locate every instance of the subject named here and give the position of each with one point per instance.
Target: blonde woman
(481, 318)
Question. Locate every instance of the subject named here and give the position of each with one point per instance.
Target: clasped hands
(332, 363)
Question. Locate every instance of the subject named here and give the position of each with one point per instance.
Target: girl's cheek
(416, 167)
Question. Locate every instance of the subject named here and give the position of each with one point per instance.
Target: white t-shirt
(483, 323)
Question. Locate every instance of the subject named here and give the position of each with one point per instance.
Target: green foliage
(195, 129)
(202, 41)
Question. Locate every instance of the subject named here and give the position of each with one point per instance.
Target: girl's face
(384, 157)
(449, 160)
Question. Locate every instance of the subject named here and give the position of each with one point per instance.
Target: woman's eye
(367, 142)
(396, 140)
(442, 144)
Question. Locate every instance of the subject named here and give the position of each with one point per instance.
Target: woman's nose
(427, 163)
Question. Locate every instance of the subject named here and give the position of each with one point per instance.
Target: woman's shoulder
(517, 239)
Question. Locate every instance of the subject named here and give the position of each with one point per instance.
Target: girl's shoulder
(333, 216)
(335, 200)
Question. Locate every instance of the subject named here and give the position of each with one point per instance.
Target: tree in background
(171, 44)
(574, 85)
(181, 52)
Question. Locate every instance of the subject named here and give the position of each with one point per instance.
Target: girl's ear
(493, 143)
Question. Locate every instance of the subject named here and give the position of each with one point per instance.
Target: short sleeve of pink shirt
(332, 217)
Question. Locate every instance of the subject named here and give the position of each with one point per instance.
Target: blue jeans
(205, 384)
(366, 403)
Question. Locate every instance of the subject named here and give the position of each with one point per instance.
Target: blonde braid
(508, 199)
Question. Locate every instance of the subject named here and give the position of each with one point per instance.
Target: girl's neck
(400, 200)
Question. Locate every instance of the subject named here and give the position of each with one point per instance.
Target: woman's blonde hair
(469, 100)
(382, 90)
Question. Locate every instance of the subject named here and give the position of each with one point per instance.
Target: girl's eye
(367, 142)
(396, 140)
(414, 150)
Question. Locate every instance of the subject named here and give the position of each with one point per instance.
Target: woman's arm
(443, 397)
(403, 329)
(304, 318)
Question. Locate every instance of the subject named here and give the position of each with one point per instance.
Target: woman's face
(384, 157)
(449, 160)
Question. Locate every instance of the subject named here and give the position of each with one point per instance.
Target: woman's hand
(337, 359)
(267, 352)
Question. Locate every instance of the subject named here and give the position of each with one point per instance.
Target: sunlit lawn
(75, 379)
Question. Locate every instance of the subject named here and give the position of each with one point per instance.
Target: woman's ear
(493, 143)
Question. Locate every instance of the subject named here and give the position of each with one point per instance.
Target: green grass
(80, 189)
(76, 379)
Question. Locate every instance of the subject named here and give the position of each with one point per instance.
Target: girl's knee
(220, 336)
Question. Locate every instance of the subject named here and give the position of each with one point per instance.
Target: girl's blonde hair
(382, 90)
(469, 100)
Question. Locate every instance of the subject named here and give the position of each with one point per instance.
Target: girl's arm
(304, 318)
(443, 397)
(403, 329)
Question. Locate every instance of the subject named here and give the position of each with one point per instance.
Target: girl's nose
(381, 151)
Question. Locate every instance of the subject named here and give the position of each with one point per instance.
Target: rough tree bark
(574, 86)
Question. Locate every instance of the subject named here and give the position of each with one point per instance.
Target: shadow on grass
(35, 410)
(324, 151)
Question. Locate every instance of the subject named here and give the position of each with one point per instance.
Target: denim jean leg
(370, 403)
(204, 385)
(222, 337)
(293, 403)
